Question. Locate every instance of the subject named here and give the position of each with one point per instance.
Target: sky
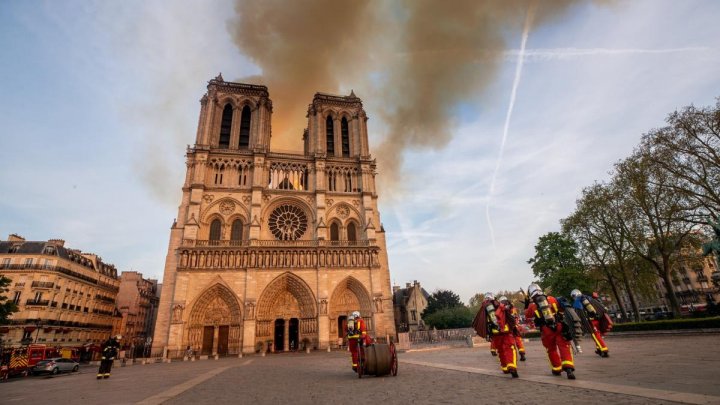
(98, 101)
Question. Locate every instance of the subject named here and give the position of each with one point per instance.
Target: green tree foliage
(557, 266)
(441, 299)
(451, 318)
(6, 307)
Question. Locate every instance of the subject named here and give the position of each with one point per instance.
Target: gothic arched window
(351, 232)
(345, 137)
(236, 230)
(330, 136)
(334, 231)
(215, 230)
(225, 125)
(245, 127)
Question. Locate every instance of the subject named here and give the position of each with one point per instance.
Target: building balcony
(65, 271)
(42, 284)
(702, 278)
(38, 303)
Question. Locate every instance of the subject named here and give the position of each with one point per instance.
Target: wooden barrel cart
(377, 359)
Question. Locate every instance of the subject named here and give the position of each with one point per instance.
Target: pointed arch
(245, 118)
(350, 295)
(236, 231)
(215, 230)
(334, 231)
(330, 136)
(225, 124)
(216, 307)
(345, 137)
(352, 234)
(278, 288)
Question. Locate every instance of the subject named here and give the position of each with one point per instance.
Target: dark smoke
(429, 56)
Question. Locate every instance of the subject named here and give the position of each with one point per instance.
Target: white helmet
(355, 315)
(489, 296)
(118, 337)
(575, 293)
(503, 299)
(534, 290)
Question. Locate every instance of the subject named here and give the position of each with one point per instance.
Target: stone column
(338, 136)
(216, 338)
(235, 128)
(286, 343)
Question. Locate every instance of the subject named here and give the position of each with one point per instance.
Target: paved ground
(639, 371)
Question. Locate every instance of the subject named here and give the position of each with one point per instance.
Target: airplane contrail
(513, 93)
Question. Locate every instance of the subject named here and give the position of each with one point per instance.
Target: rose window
(288, 222)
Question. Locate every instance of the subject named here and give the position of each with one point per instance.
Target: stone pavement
(679, 368)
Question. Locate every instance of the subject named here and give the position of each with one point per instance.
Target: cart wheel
(361, 361)
(393, 360)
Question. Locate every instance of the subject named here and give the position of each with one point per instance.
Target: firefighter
(357, 335)
(594, 312)
(489, 298)
(547, 313)
(494, 321)
(110, 351)
(516, 330)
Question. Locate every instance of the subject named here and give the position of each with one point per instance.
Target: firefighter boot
(514, 373)
(570, 373)
(522, 356)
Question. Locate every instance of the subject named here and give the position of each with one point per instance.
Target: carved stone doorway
(293, 334)
(207, 342)
(224, 333)
(342, 326)
(279, 335)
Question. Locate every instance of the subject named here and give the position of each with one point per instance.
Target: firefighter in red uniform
(548, 318)
(516, 331)
(495, 320)
(357, 334)
(595, 313)
(110, 351)
(489, 298)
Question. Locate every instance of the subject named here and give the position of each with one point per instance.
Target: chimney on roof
(407, 285)
(415, 283)
(396, 288)
(13, 237)
(58, 242)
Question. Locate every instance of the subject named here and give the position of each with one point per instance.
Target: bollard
(328, 348)
(240, 356)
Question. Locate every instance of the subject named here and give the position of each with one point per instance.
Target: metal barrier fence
(434, 336)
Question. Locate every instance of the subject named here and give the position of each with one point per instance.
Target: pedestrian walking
(494, 320)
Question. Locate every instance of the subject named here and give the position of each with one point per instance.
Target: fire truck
(19, 360)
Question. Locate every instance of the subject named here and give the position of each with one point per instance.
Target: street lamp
(38, 325)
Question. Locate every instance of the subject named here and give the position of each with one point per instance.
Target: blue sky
(99, 99)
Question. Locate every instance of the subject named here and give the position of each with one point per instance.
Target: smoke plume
(413, 62)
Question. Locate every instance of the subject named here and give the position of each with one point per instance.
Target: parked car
(55, 366)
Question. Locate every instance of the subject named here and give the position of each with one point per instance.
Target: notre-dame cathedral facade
(274, 248)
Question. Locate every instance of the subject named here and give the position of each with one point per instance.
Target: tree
(451, 318)
(659, 217)
(557, 265)
(441, 299)
(6, 307)
(688, 149)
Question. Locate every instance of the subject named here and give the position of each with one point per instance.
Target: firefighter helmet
(503, 299)
(355, 314)
(489, 296)
(534, 290)
(118, 337)
(575, 293)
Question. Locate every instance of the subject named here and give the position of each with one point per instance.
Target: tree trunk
(665, 274)
(633, 302)
(611, 281)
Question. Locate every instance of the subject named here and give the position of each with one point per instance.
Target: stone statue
(177, 312)
(713, 247)
(323, 307)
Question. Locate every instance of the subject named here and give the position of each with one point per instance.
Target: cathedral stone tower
(274, 249)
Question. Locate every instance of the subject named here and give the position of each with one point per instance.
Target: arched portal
(287, 303)
(215, 325)
(349, 295)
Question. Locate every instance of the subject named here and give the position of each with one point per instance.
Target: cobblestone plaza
(641, 370)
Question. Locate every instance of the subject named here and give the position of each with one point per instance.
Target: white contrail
(541, 54)
(513, 93)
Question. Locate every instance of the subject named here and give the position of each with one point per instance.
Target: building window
(330, 136)
(345, 137)
(414, 315)
(236, 231)
(219, 174)
(351, 232)
(215, 230)
(225, 127)
(6, 263)
(16, 298)
(334, 231)
(38, 296)
(245, 128)
(28, 262)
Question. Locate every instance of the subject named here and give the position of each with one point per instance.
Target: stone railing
(277, 243)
